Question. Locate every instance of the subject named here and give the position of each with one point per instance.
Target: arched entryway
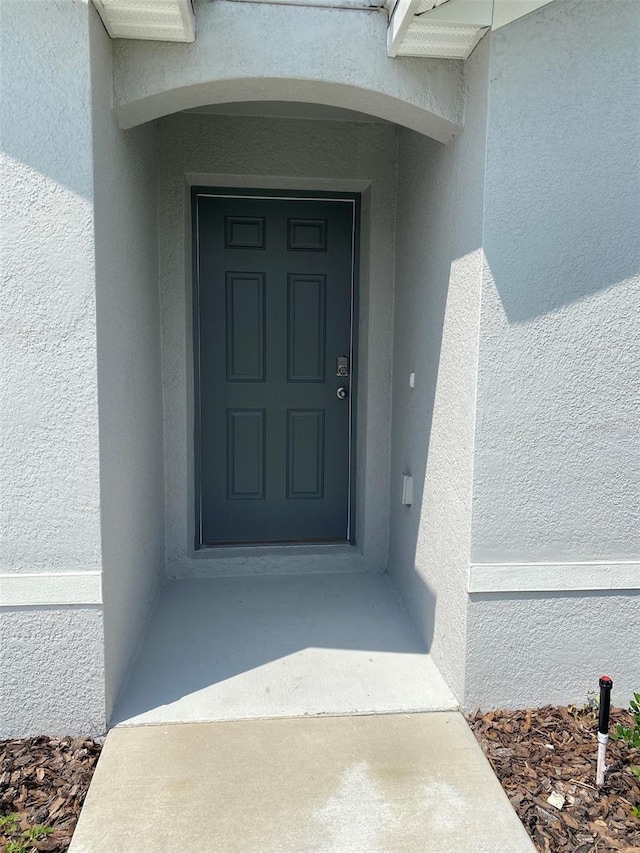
(227, 115)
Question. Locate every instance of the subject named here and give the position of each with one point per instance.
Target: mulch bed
(44, 780)
(535, 753)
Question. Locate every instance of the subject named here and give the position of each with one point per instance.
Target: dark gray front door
(274, 367)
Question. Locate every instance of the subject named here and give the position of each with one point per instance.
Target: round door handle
(341, 393)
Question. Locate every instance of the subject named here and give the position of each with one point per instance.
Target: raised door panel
(306, 327)
(305, 454)
(246, 454)
(307, 235)
(245, 327)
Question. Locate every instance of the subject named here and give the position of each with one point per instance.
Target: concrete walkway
(395, 783)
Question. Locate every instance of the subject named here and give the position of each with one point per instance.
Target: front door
(274, 367)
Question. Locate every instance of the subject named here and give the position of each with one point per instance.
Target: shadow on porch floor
(280, 646)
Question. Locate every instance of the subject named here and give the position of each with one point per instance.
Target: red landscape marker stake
(603, 726)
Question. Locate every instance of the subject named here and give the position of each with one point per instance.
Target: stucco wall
(129, 383)
(526, 650)
(557, 460)
(285, 154)
(49, 455)
(271, 52)
(51, 671)
(49, 472)
(436, 315)
(557, 474)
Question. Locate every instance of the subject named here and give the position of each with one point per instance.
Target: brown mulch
(45, 780)
(537, 752)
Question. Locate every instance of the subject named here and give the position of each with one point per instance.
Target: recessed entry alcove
(276, 260)
(276, 227)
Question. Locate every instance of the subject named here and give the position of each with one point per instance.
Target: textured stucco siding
(51, 660)
(129, 383)
(436, 315)
(51, 671)
(557, 468)
(48, 392)
(557, 458)
(527, 650)
(254, 52)
(283, 154)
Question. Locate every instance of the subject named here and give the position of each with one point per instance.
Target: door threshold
(217, 553)
(275, 544)
(314, 558)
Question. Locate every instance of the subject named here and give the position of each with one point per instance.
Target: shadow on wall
(29, 122)
(437, 277)
(548, 250)
(563, 167)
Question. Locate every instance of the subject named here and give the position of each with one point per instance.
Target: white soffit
(440, 40)
(367, 5)
(505, 11)
(449, 29)
(158, 20)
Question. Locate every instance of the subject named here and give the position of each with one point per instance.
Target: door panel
(305, 454)
(245, 327)
(306, 327)
(275, 307)
(246, 454)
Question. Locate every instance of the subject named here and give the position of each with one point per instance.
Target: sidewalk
(395, 783)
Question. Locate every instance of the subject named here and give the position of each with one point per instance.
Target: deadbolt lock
(342, 366)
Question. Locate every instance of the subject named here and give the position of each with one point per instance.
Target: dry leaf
(45, 780)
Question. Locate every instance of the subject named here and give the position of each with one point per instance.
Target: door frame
(296, 195)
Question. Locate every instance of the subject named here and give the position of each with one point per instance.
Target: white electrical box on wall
(407, 489)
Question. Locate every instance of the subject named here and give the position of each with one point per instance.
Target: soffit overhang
(448, 29)
(155, 20)
(436, 29)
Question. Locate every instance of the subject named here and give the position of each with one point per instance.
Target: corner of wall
(555, 542)
(129, 383)
(436, 329)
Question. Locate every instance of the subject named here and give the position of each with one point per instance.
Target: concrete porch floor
(280, 646)
(392, 783)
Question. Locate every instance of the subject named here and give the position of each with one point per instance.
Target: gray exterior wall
(81, 456)
(436, 312)
(556, 489)
(50, 477)
(52, 676)
(518, 267)
(51, 661)
(129, 382)
(526, 649)
(557, 470)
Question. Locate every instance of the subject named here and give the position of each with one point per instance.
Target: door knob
(341, 393)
